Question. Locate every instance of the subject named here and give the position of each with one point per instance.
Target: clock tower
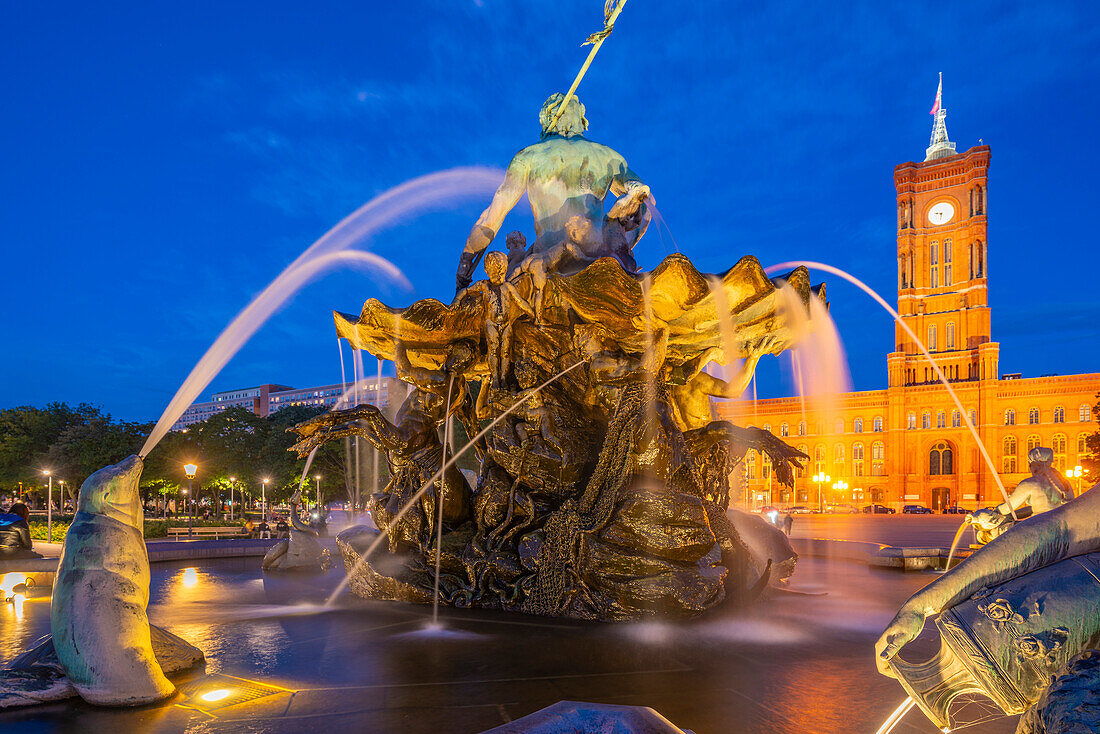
(942, 263)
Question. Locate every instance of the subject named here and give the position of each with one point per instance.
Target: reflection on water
(789, 664)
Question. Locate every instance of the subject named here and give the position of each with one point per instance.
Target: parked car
(916, 510)
(844, 509)
(800, 510)
(878, 510)
(956, 510)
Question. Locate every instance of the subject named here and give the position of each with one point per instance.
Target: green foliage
(74, 442)
(153, 528)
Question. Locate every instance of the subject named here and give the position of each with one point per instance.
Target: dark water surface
(790, 664)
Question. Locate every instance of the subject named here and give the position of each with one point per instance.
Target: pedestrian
(15, 533)
(788, 523)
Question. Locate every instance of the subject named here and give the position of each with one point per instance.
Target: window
(941, 420)
(911, 421)
(838, 453)
(956, 419)
(1084, 413)
(840, 425)
(878, 453)
(934, 259)
(1058, 443)
(951, 337)
(932, 338)
(802, 428)
(878, 424)
(1008, 446)
(784, 430)
(1059, 414)
(1032, 442)
(926, 420)
(819, 459)
(857, 425)
(801, 472)
(768, 427)
(1010, 417)
(1008, 465)
(941, 460)
(947, 262)
(750, 464)
(1082, 446)
(767, 466)
(1033, 416)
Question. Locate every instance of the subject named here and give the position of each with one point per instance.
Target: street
(900, 530)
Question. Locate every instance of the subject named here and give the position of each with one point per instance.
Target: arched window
(951, 340)
(1033, 416)
(911, 421)
(839, 425)
(878, 424)
(768, 427)
(1010, 417)
(973, 417)
(784, 429)
(838, 453)
(1084, 413)
(941, 420)
(857, 459)
(980, 269)
(1082, 446)
(903, 282)
(956, 419)
(1059, 414)
(806, 450)
(941, 460)
(932, 338)
(1033, 441)
(802, 428)
(750, 464)
(1058, 443)
(980, 202)
(857, 425)
(1008, 455)
(934, 264)
(878, 451)
(819, 459)
(947, 262)
(926, 420)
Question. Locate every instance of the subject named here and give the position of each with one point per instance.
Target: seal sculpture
(98, 615)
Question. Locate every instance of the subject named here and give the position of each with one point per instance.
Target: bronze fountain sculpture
(604, 482)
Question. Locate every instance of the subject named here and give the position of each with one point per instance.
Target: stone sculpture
(604, 480)
(1018, 613)
(300, 551)
(1044, 490)
(101, 635)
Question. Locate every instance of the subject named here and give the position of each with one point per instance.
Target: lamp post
(820, 478)
(317, 478)
(190, 470)
(1075, 473)
(264, 500)
(232, 481)
(49, 507)
(840, 485)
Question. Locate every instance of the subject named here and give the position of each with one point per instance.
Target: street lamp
(266, 480)
(190, 470)
(840, 485)
(317, 478)
(1075, 473)
(232, 480)
(820, 478)
(49, 507)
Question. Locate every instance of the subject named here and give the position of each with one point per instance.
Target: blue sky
(163, 162)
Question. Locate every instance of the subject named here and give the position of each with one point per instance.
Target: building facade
(267, 399)
(912, 443)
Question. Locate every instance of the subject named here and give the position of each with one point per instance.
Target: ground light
(220, 691)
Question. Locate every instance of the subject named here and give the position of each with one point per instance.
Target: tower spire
(939, 146)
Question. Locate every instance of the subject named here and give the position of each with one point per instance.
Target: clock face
(941, 213)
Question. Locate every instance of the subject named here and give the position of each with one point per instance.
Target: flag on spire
(939, 94)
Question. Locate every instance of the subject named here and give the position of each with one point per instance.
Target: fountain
(603, 487)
